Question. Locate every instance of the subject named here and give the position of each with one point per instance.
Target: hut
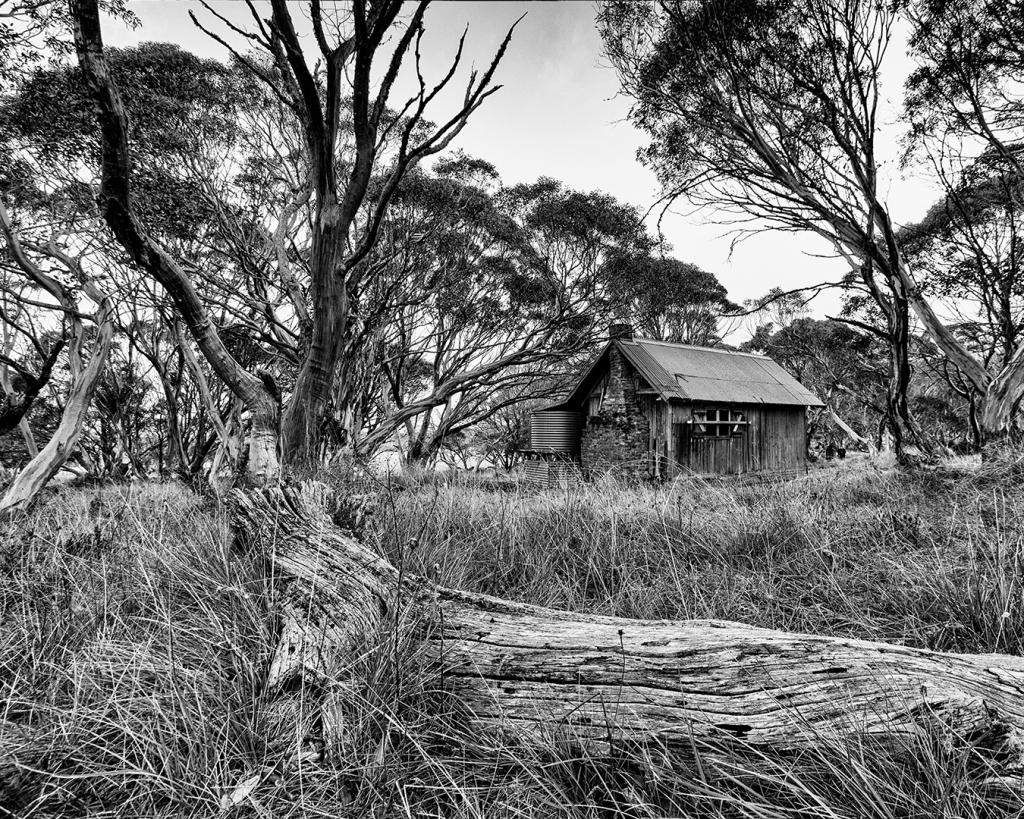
(657, 409)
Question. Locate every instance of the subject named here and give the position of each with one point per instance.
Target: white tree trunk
(973, 370)
(117, 207)
(1001, 394)
(849, 431)
(38, 471)
(26, 435)
(606, 681)
(1004, 396)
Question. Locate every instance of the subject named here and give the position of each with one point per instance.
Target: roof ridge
(762, 379)
(679, 345)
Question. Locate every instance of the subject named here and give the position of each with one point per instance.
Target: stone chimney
(622, 332)
(616, 439)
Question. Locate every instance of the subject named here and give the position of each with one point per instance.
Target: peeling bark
(1004, 395)
(606, 681)
(38, 471)
(1001, 393)
(304, 417)
(943, 337)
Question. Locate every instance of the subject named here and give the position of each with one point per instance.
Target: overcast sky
(559, 115)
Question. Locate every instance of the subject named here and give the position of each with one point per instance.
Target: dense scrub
(134, 641)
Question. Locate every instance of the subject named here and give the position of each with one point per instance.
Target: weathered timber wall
(773, 441)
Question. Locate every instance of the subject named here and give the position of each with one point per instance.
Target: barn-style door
(713, 441)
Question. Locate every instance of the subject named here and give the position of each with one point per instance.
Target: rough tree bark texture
(604, 680)
(1003, 397)
(303, 417)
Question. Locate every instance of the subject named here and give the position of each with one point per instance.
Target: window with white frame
(717, 423)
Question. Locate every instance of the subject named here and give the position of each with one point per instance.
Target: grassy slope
(133, 643)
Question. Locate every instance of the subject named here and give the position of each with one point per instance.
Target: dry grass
(930, 559)
(134, 641)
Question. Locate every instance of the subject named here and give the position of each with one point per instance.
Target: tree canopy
(466, 297)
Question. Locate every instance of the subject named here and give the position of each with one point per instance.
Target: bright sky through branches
(559, 115)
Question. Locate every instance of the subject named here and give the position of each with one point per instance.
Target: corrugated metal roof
(705, 374)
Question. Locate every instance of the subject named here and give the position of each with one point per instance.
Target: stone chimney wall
(616, 440)
(620, 394)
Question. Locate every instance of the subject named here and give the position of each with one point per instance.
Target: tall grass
(134, 641)
(928, 559)
(133, 651)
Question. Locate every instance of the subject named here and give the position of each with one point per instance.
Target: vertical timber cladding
(780, 444)
(773, 441)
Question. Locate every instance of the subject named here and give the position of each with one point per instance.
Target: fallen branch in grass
(615, 683)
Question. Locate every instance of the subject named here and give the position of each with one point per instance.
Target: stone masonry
(616, 439)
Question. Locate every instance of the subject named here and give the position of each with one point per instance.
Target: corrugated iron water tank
(555, 431)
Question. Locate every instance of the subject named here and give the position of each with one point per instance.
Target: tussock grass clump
(134, 646)
(135, 640)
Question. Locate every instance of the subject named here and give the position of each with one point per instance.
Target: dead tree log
(605, 680)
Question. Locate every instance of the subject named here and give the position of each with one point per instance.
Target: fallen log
(611, 682)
